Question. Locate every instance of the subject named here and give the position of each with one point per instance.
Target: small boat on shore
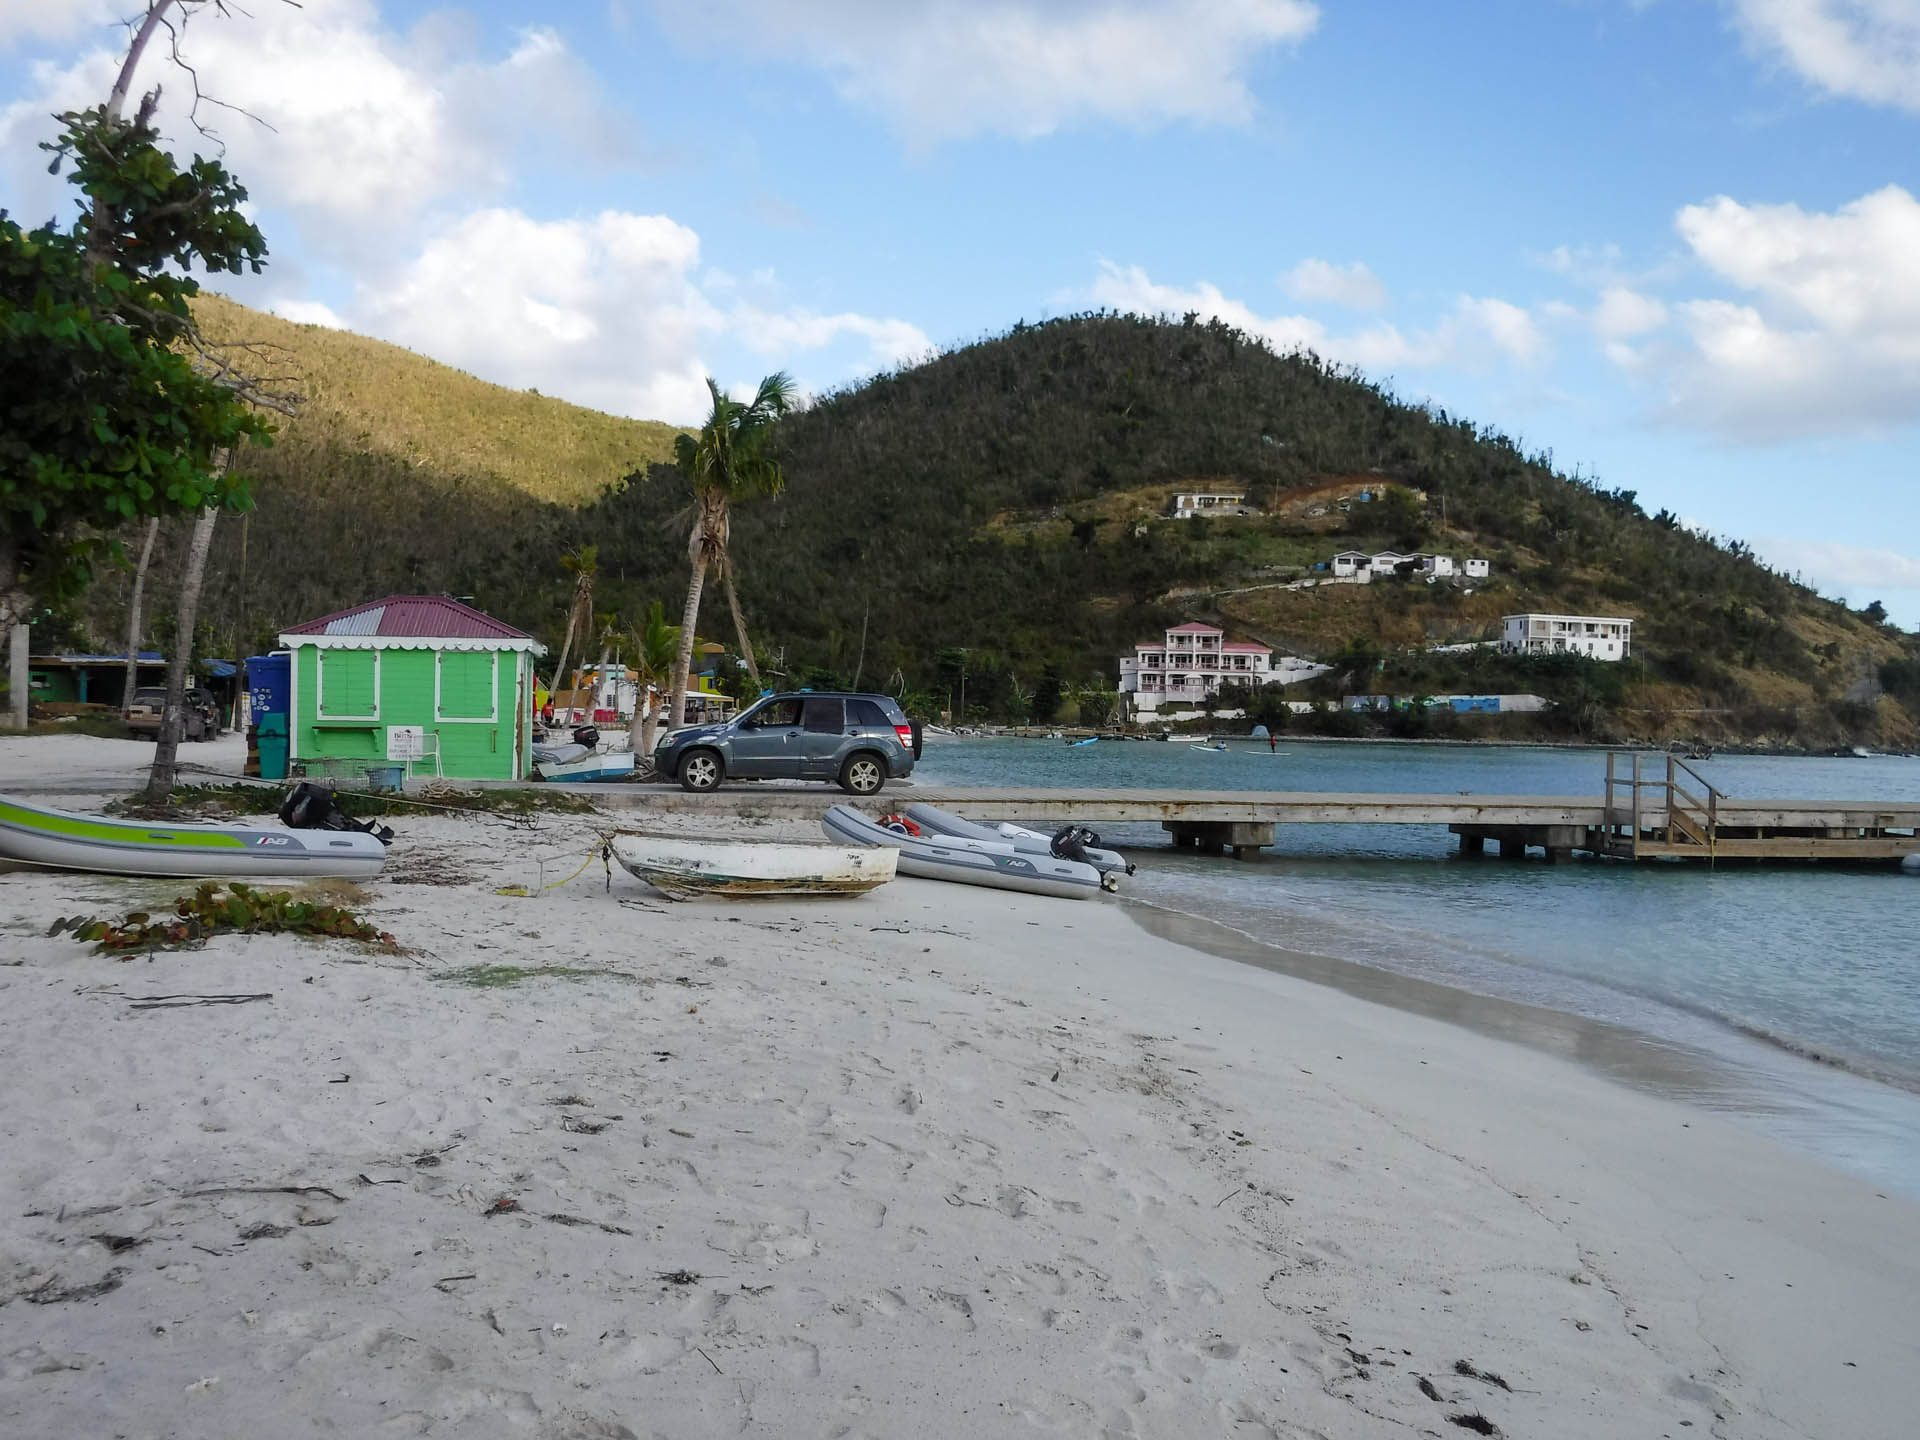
(63, 840)
(686, 867)
(1024, 841)
(969, 862)
(579, 763)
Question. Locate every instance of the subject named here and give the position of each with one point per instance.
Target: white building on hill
(1603, 637)
(1194, 661)
(1189, 504)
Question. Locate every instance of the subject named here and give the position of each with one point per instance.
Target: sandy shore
(940, 1162)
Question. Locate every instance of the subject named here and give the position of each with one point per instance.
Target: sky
(1674, 243)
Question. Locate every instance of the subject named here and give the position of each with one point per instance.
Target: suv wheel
(700, 771)
(863, 774)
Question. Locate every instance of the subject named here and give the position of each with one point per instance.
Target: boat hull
(686, 868)
(62, 840)
(1023, 840)
(997, 867)
(593, 768)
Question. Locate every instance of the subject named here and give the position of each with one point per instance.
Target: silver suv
(858, 741)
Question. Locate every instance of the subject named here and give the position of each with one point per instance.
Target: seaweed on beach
(213, 909)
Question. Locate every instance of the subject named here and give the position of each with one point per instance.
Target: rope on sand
(601, 851)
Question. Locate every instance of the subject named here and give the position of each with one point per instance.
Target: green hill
(1008, 499)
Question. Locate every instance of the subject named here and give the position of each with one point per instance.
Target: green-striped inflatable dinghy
(37, 835)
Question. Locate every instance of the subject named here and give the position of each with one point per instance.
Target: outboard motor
(313, 807)
(1071, 844)
(586, 735)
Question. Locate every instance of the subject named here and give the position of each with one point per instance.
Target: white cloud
(1852, 570)
(1622, 314)
(1477, 332)
(308, 312)
(610, 311)
(389, 160)
(777, 332)
(945, 69)
(54, 19)
(1863, 49)
(1824, 334)
(1354, 286)
(603, 311)
(361, 131)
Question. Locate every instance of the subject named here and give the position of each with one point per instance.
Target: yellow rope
(522, 892)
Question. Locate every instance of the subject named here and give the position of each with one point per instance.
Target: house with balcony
(1600, 637)
(1191, 662)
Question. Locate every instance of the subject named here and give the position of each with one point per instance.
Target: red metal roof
(435, 616)
(1194, 627)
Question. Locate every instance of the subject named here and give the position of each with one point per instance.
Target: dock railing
(1686, 818)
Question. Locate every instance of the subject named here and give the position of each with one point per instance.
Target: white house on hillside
(1187, 505)
(1603, 637)
(1356, 564)
(1194, 661)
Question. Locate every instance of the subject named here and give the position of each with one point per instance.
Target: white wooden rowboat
(686, 866)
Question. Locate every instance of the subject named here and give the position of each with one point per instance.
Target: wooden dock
(1650, 808)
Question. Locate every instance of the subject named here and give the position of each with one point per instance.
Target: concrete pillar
(1512, 847)
(1558, 854)
(1472, 843)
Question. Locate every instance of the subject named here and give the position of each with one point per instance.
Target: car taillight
(905, 732)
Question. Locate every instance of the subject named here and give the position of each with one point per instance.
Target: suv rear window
(823, 717)
(149, 697)
(866, 712)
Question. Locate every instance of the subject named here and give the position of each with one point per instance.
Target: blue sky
(1675, 241)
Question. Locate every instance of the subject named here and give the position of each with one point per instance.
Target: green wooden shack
(413, 677)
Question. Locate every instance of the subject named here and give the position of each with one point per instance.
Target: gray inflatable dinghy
(969, 862)
(1023, 840)
(41, 835)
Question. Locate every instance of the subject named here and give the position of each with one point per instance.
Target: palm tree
(655, 645)
(727, 461)
(582, 563)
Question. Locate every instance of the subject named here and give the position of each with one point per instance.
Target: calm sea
(1800, 984)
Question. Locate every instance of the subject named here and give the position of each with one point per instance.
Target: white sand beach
(936, 1162)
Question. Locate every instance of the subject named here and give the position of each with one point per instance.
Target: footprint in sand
(954, 1309)
(799, 1359)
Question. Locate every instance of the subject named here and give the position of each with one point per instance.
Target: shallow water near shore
(1787, 994)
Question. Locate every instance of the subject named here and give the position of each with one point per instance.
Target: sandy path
(939, 1161)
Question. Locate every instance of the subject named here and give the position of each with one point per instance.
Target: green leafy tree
(728, 461)
(115, 407)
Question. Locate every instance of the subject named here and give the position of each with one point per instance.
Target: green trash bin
(272, 735)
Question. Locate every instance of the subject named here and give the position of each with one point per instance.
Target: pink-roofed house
(1192, 662)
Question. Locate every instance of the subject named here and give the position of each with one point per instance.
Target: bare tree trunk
(15, 605)
(166, 752)
(19, 673)
(861, 664)
(689, 617)
(133, 618)
(123, 83)
(566, 645)
(740, 626)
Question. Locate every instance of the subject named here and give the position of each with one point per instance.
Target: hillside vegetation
(1001, 507)
(371, 397)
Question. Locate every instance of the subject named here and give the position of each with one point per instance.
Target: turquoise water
(1801, 982)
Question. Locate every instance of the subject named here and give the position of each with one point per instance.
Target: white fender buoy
(1911, 864)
